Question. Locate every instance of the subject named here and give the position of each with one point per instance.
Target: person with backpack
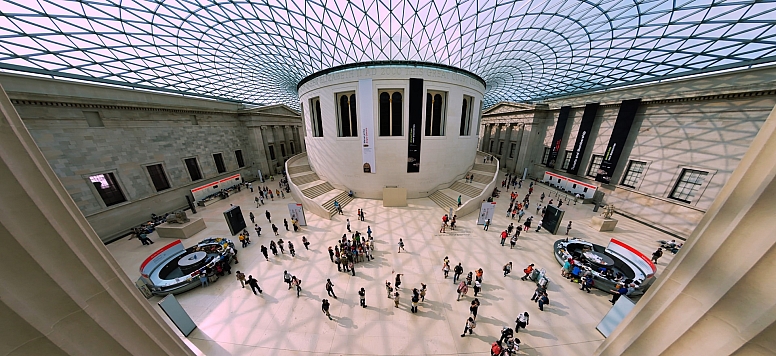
(470, 325)
(325, 308)
(587, 283)
(528, 271)
(330, 288)
(543, 300)
(506, 334)
(457, 272)
(307, 244)
(362, 297)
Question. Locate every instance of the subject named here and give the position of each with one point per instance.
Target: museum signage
(415, 122)
(557, 138)
(583, 136)
(366, 116)
(620, 133)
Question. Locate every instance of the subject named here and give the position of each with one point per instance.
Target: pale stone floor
(232, 321)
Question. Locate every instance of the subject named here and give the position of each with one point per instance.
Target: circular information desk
(191, 261)
(598, 258)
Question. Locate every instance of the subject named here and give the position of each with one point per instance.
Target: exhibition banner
(216, 186)
(296, 211)
(366, 117)
(583, 135)
(160, 256)
(620, 133)
(557, 138)
(486, 212)
(415, 122)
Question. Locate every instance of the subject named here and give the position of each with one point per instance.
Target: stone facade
(704, 124)
(84, 130)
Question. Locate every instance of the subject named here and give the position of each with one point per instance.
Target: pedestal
(181, 231)
(603, 224)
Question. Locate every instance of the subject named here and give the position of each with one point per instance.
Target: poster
(366, 116)
(620, 134)
(557, 138)
(583, 136)
(486, 212)
(296, 211)
(415, 121)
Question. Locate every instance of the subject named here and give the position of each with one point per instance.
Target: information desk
(598, 258)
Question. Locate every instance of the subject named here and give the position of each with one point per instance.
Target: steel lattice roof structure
(256, 52)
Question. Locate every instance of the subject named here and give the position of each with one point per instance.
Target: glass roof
(257, 51)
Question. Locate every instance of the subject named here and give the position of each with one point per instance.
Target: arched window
(390, 110)
(347, 123)
(435, 113)
(466, 116)
(315, 117)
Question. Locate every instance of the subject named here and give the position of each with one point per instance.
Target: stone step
(317, 190)
(486, 167)
(304, 179)
(299, 169)
(443, 200)
(466, 189)
(343, 200)
(481, 178)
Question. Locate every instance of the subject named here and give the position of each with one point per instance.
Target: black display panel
(620, 133)
(583, 135)
(235, 220)
(415, 120)
(557, 138)
(552, 219)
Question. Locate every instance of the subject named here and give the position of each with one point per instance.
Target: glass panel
(344, 123)
(318, 119)
(396, 114)
(464, 114)
(436, 128)
(429, 101)
(353, 116)
(385, 114)
(108, 188)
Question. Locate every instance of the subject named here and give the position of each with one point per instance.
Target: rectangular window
(193, 119)
(293, 149)
(108, 188)
(500, 148)
(347, 121)
(315, 117)
(546, 155)
(271, 152)
(282, 150)
(240, 161)
(390, 112)
(466, 116)
(595, 164)
(566, 160)
(688, 184)
(156, 172)
(490, 147)
(512, 148)
(193, 167)
(93, 119)
(436, 109)
(219, 159)
(633, 174)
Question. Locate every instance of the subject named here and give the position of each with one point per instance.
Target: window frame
(628, 179)
(512, 149)
(432, 109)
(316, 122)
(546, 155)
(282, 150)
(271, 149)
(222, 168)
(99, 196)
(291, 147)
(239, 158)
(699, 186)
(393, 121)
(567, 159)
(163, 175)
(467, 107)
(590, 172)
(196, 165)
(352, 111)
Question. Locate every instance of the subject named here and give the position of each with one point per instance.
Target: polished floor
(233, 321)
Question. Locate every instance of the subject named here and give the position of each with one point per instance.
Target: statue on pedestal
(179, 217)
(608, 211)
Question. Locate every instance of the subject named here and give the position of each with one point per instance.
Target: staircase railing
(308, 204)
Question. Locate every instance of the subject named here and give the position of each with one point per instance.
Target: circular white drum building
(370, 126)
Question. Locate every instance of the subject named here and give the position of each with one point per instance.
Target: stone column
(518, 143)
(486, 137)
(717, 296)
(62, 292)
(495, 139)
(288, 133)
(505, 153)
(266, 135)
(300, 130)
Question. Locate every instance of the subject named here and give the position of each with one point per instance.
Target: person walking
(477, 286)
(348, 220)
(352, 266)
(507, 268)
(203, 279)
(396, 299)
(538, 292)
(256, 199)
(397, 282)
(401, 246)
(264, 252)
(268, 215)
(513, 241)
(462, 290)
(457, 272)
(587, 283)
(251, 216)
(521, 321)
(305, 243)
(415, 300)
(291, 249)
(474, 307)
(459, 200)
(258, 229)
(423, 292)
(568, 228)
(504, 235)
(325, 308)
(388, 289)
(254, 285)
(362, 297)
(470, 325)
(331, 253)
(273, 247)
(144, 239)
(285, 223)
(330, 289)
(478, 274)
(287, 278)
(275, 229)
(621, 290)
(506, 334)
(487, 224)
(446, 268)
(282, 246)
(539, 226)
(452, 222)
(241, 278)
(528, 271)
(657, 254)
(544, 300)
(296, 282)
(369, 231)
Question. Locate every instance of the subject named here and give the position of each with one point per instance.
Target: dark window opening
(108, 188)
(156, 172)
(193, 168)
(219, 159)
(240, 160)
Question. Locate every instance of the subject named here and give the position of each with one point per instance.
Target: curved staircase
(484, 174)
(317, 195)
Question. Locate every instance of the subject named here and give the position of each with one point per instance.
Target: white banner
(296, 211)
(365, 103)
(486, 212)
